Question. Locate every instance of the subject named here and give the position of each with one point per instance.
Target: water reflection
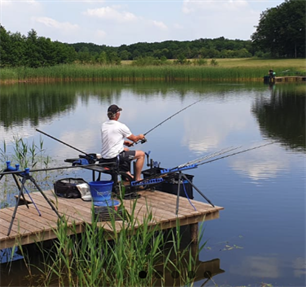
(229, 115)
(17, 272)
(258, 266)
(260, 164)
(282, 116)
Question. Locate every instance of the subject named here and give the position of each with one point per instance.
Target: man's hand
(128, 143)
(141, 137)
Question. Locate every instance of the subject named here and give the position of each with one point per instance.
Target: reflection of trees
(37, 102)
(32, 103)
(282, 116)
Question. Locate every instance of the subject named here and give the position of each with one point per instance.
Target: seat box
(170, 183)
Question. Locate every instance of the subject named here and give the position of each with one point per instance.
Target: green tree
(5, 42)
(125, 55)
(17, 51)
(281, 30)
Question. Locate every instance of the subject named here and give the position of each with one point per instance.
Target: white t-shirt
(113, 134)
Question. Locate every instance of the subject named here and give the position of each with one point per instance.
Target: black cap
(114, 109)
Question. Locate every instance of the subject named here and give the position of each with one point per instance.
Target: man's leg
(140, 158)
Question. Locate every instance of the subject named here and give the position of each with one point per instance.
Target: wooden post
(194, 230)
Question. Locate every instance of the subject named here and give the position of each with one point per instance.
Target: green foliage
(125, 257)
(26, 155)
(149, 61)
(213, 62)
(142, 69)
(281, 30)
(32, 51)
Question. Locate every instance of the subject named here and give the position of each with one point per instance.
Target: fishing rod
(16, 170)
(64, 143)
(217, 153)
(144, 140)
(235, 153)
(196, 163)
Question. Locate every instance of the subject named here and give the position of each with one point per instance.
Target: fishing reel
(143, 140)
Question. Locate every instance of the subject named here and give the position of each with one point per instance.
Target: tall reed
(126, 257)
(26, 155)
(130, 73)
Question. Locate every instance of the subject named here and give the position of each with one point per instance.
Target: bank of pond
(130, 73)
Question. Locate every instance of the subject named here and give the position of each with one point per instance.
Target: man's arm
(135, 139)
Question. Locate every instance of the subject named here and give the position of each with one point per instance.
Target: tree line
(280, 33)
(34, 51)
(281, 30)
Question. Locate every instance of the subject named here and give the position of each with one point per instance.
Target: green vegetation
(138, 255)
(26, 155)
(281, 30)
(279, 34)
(214, 70)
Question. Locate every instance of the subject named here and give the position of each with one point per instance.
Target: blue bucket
(101, 190)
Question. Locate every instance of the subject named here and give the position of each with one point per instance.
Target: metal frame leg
(179, 188)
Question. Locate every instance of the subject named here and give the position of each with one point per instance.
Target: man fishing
(113, 135)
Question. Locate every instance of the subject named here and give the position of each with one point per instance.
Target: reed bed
(128, 259)
(130, 73)
(251, 69)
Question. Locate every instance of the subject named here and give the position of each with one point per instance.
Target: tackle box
(170, 182)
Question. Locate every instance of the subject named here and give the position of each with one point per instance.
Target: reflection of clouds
(15, 132)
(263, 163)
(84, 140)
(257, 266)
(299, 265)
(208, 126)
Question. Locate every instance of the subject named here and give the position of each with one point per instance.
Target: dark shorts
(125, 159)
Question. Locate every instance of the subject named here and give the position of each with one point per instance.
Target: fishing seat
(114, 168)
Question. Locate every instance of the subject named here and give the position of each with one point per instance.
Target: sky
(115, 23)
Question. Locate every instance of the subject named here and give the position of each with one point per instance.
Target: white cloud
(51, 23)
(111, 13)
(200, 6)
(100, 34)
(160, 25)
(130, 22)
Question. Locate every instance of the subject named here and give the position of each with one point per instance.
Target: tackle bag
(68, 187)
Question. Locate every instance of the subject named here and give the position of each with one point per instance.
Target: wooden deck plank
(64, 209)
(22, 217)
(29, 227)
(164, 202)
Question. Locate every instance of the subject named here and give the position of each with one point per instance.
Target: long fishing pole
(235, 153)
(195, 165)
(171, 117)
(63, 142)
(45, 169)
(206, 157)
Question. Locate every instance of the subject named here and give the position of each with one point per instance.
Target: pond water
(260, 235)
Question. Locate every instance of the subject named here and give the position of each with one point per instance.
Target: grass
(249, 69)
(127, 259)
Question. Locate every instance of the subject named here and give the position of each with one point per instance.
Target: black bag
(67, 187)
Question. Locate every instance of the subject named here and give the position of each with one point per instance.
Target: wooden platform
(290, 79)
(29, 227)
